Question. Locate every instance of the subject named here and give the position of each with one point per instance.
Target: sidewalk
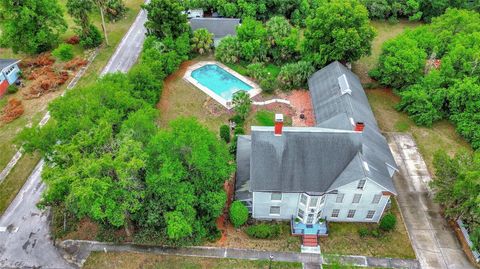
(77, 251)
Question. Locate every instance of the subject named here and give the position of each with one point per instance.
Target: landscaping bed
(344, 239)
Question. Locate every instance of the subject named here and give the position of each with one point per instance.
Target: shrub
(115, 10)
(12, 89)
(239, 130)
(64, 52)
(257, 71)
(388, 222)
(202, 41)
(225, 133)
(228, 50)
(91, 38)
(263, 231)
(376, 233)
(363, 232)
(295, 75)
(237, 119)
(268, 84)
(238, 213)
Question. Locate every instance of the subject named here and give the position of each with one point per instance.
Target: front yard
(344, 239)
(140, 260)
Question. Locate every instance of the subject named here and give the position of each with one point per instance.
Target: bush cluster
(64, 52)
(388, 222)
(238, 214)
(263, 231)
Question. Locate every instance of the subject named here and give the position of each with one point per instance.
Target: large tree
(80, 11)
(31, 26)
(337, 30)
(186, 170)
(165, 18)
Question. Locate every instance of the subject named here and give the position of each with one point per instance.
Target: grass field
(38, 107)
(146, 261)
(99, 260)
(343, 239)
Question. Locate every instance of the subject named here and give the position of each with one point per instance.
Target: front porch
(318, 229)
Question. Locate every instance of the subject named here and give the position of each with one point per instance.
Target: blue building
(9, 74)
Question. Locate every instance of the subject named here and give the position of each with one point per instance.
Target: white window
(340, 197)
(361, 184)
(376, 199)
(351, 213)
(356, 198)
(370, 214)
(301, 213)
(323, 199)
(335, 213)
(313, 202)
(303, 199)
(274, 210)
(276, 196)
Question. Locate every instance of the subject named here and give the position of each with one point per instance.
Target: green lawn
(343, 239)
(267, 118)
(140, 260)
(35, 109)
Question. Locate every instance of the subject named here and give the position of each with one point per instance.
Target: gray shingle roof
(242, 189)
(7, 62)
(322, 158)
(219, 27)
(301, 160)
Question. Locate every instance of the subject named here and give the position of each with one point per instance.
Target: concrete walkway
(434, 242)
(77, 252)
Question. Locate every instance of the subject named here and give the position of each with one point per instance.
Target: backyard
(36, 108)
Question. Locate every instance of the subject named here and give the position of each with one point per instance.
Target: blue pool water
(219, 81)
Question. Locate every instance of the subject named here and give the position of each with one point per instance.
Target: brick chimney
(359, 126)
(278, 124)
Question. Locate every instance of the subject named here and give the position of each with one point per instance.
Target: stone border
(224, 102)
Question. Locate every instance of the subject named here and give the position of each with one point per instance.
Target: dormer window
(361, 184)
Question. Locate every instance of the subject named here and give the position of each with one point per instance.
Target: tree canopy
(337, 30)
(435, 70)
(31, 26)
(165, 18)
(457, 188)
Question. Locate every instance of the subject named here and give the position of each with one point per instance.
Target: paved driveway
(434, 242)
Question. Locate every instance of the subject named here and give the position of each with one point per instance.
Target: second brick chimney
(278, 124)
(359, 126)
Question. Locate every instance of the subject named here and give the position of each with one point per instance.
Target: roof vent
(365, 165)
(344, 86)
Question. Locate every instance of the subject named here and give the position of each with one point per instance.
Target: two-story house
(339, 170)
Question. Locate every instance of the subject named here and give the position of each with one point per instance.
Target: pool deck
(226, 103)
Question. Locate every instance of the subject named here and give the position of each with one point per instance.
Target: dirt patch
(86, 230)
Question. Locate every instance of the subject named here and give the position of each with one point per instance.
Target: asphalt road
(25, 240)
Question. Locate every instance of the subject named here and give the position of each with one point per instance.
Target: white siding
(262, 203)
(362, 208)
(289, 204)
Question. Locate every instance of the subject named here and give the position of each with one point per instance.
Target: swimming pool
(219, 81)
